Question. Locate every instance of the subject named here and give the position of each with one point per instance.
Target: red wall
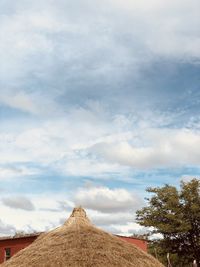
(142, 244)
(15, 244)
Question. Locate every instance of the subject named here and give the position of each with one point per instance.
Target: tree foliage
(175, 214)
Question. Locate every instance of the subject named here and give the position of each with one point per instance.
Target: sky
(98, 101)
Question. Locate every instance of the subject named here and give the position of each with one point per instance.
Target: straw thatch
(79, 244)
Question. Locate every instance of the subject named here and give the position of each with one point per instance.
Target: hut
(78, 243)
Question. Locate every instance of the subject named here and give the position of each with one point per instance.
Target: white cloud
(106, 200)
(6, 229)
(20, 101)
(166, 28)
(45, 215)
(60, 144)
(102, 149)
(53, 210)
(56, 57)
(10, 172)
(80, 166)
(158, 148)
(107, 219)
(7, 173)
(35, 39)
(18, 202)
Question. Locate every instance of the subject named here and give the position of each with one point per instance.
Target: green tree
(175, 214)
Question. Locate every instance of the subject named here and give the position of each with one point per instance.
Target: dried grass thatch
(79, 244)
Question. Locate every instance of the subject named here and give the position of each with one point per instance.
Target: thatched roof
(79, 244)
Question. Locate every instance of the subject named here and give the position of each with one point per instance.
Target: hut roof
(80, 244)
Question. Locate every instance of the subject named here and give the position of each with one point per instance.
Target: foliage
(155, 249)
(175, 214)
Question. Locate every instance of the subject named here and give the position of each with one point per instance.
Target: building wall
(142, 244)
(15, 245)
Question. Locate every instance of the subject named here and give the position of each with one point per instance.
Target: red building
(139, 242)
(11, 245)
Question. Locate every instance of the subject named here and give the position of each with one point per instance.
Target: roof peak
(78, 212)
(77, 217)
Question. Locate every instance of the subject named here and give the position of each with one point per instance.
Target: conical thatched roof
(79, 244)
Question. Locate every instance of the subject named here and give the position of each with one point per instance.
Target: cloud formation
(161, 148)
(19, 101)
(68, 54)
(107, 219)
(18, 202)
(106, 200)
(6, 229)
(101, 92)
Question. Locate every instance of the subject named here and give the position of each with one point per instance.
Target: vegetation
(175, 215)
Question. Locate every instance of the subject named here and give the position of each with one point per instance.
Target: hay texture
(79, 244)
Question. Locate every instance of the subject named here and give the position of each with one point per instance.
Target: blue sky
(98, 100)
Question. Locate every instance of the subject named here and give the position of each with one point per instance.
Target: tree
(175, 214)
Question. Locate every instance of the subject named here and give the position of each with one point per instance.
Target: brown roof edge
(20, 236)
(39, 233)
(133, 237)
